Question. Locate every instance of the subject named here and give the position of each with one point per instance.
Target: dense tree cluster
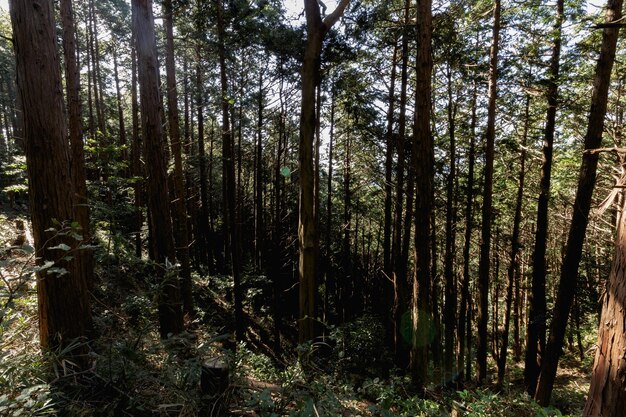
(410, 161)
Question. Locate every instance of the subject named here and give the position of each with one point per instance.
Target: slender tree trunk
(485, 243)
(423, 149)
(229, 179)
(178, 209)
(536, 330)
(316, 31)
(120, 116)
(259, 224)
(169, 304)
(582, 205)
(449, 314)
(72, 84)
(401, 286)
(135, 151)
(63, 298)
(464, 307)
(515, 248)
(203, 220)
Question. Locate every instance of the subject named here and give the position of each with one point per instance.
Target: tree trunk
(582, 205)
(485, 242)
(536, 330)
(449, 314)
(63, 297)
(72, 84)
(316, 31)
(120, 117)
(228, 158)
(178, 209)
(465, 291)
(170, 312)
(135, 150)
(423, 149)
(515, 248)
(401, 296)
(607, 393)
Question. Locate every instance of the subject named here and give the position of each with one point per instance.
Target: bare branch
(332, 18)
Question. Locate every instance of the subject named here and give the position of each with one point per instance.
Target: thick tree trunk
(536, 330)
(607, 393)
(582, 205)
(163, 253)
(485, 241)
(135, 149)
(178, 209)
(63, 298)
(423, 149)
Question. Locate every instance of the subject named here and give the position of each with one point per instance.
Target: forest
(274, 208)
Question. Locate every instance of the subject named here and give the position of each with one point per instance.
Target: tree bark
(423, 149)
(607, 393)
(582, 205)
(63, 297)
(316, 31)
(163, 253)
(485, 242)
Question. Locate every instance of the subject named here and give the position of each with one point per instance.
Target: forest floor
(134, 373)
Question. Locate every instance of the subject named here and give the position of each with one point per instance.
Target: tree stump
(214, 381)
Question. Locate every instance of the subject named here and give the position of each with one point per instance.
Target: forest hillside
(298, 208)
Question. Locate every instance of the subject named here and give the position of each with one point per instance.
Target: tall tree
(317, 28)
(179, 212)
(72, 85)
(536, 329)
(63, 298)
(228, 157)
(162, 242)
(582, 203)
(423, 150)
(485, 241)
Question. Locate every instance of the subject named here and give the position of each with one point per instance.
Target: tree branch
(332, 18)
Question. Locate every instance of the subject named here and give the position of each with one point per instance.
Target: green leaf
(285, 172)
(61, 246)
(28, 249)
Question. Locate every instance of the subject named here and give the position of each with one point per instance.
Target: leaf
(28, 249)
(61, 246)
(46, 265)
(285, 172)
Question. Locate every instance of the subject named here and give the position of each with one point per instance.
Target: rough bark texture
(485, 241)
(63, 299)
(170, 311)
(607, 393)
(423, 149)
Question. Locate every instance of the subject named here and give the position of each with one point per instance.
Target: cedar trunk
(485, 242)
(170, 312)
(63, 298)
